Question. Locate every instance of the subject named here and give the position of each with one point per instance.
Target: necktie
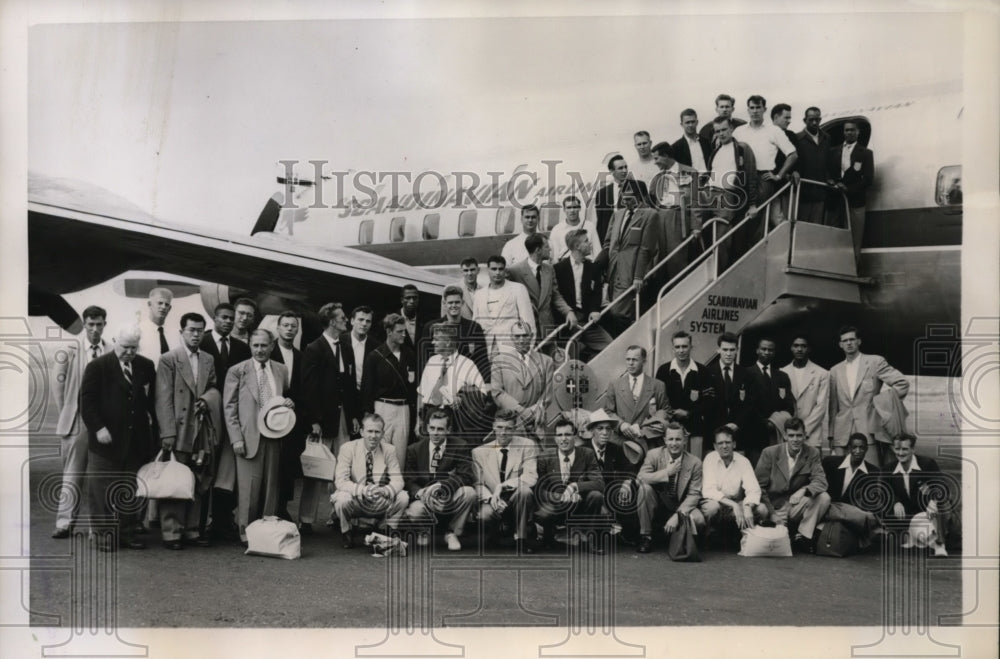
(94, 351)
(163, 340)
(503, 465)
(538, 276)
(672, 485)
(336, 354)
(767, 374)
(225, 349)
(444, 369)
(264, 386)
(628, 220)
(729, 379)
(436, 458)
(635, 392)
(127, 371)
(565, 470)
(600, 458)
(369, 467)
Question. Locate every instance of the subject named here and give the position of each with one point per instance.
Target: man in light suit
(521, 380)
(634, 245)
(854, 383)
(500, 305)
(634, 397)
(793, 485)
(540, 279)
(66, 388)
(506, 472)
(250, 387)
(516, 250)
(439, 477)
(811, 390)
(569, 486)
(116, 408)
(669, 481)
(369, 481)
(185, 388)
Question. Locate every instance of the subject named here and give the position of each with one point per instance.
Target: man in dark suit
(609, 197)
(852, 168)
(793, 485)
(851, 484)
(439, 477)
(389, 387)
(469, 334)
(918, 488)
(227, 351)
(669, 485)
(769, 390)
(292, 445)
(569, 486)
(410, 310)
(116, 406)
(579, 283)
(362, 339)
(726, 402)
(724, 105)
(617, 471)
(685, 379)
(330, 396)
(536, 274)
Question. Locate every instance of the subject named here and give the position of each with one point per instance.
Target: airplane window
(467, 223)
(366, 231)
(948, 191)
(432, 222)
(550, 218)
(505, 221)
(397, 229)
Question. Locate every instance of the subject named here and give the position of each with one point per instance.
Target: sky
(188, 120)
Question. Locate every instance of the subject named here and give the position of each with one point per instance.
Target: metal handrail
(551, 335)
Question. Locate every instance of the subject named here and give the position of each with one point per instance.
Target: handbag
(766, 541)
(272, 536)
(318, 461)
(165, 479)
(837, 540)
(681, 546)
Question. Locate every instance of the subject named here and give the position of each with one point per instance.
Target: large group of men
(449, 421)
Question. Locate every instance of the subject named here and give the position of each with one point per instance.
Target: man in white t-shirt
(767, 140)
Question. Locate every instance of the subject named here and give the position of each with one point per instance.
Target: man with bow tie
(569, 486)
(250, 386)
(369, 481)
(116, 410)
(70, 427)
(185, 388)
(439, 477)
(669, 486)
(769, 390)
(811, 391)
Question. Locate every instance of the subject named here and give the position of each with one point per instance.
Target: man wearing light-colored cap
(253, 389)
(618, 464)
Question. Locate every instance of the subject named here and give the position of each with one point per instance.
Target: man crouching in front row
(369, 481)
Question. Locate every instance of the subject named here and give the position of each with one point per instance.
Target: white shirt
(765, 141)
(335, 346)
(264, 371)
(599, 453)
(851, 373)
(89, 356)
(564, 465)
(193, 360)
(722, 165)
(845, 157)
(798, 377)
(149, 339)
(791, 460)
(359, 357)
(462, 371)
(514, 249)
(668, 189)
(498, 309)
(644, 170)
(674, 366)
(722, 482)
(697, 157)
(577, 269)
(431, 448)
(635, 382)
(557, 238)
(849, 473)
(906, 474)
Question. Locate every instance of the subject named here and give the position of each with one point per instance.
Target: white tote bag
(165, 480)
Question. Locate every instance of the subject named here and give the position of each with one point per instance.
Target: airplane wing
(81, 235)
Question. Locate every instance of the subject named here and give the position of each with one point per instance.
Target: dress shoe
(61, 534)
(525, 546)
(202, 541)
(305, 528)
(139, 529)
(645, 544)
(173, 545)
(803, 545)
(452, 540)
(133, 543)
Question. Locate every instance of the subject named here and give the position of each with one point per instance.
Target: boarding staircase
(791, 259)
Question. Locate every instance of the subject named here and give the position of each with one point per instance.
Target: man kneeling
(669, 486)
(369, 481)
(439, 478)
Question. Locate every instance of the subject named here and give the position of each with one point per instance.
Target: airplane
(910, 252)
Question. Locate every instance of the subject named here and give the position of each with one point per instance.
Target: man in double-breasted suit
(854, 383)
(439, 478)
(252, 385)
(521, 380)
(669, 484)
(634, 396)
(185, 388)
(116, 409)
(768, 391)
(726, 402)
(569, 485)
(369, 481)
(811, 390)
(506, 472)
(540, 279)
(580, 284)
(329, 395)
(69, 427)
(633, 246)
(793, 485)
